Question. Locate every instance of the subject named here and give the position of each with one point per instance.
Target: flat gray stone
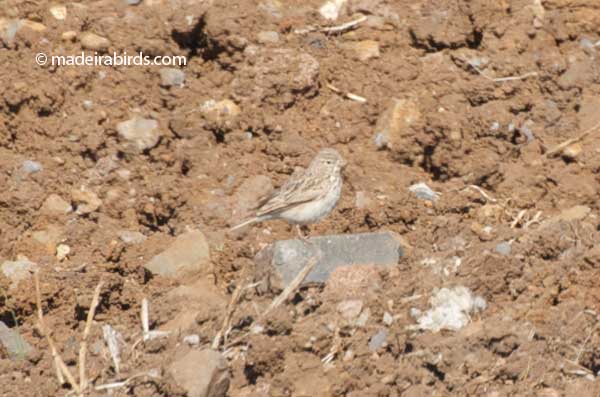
(285, 259)
(503, 248)
(171, 77)
(13, 342)
(189, 253)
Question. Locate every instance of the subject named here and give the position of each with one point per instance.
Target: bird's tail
(247, 222)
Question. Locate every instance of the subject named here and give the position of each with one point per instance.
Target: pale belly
(313, 211)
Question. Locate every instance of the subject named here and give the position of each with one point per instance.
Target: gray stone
(30, 166)
(9, 29)
(171, 77)
(13, 342)
(142, 133)
(189, 253)
(131, 237)
(18, 270)
(285, 259)
(133, 2)
(269, 36)
(201, 373)
(378, 340)
(423, 192)
(503, 248)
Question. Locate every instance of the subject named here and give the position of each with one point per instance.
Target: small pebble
(133, 2)
(92, 41)
(503, 248)
(265, 37)
(171, 77)
(192, 340)
(62, 251)
(59, 12)
(424, 192)
(31, 167)
(387, 318)
(378, 340)
(69, 35)
(87, 104)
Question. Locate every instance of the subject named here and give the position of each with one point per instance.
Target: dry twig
(333, 29)
(348, 95)
(61, 368)
(227, 320)
(86, 331)
(559, 148)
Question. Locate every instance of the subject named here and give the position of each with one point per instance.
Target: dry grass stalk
(227, 320)
(86, 332)
(333, 29)
(61, 368)
(559, 148)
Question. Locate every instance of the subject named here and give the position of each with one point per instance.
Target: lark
(307, 196)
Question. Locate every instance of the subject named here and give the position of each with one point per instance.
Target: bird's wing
(300, 188)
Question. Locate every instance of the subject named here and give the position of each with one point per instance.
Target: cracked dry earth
(471, 98)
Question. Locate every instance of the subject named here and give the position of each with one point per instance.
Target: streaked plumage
(307, 196)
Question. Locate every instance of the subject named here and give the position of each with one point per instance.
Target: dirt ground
(493, 88)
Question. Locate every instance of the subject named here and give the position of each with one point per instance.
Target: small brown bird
(306, 197)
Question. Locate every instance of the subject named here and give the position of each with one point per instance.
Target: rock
(59, 12)
(221, 113)
(31, 167)
(283, 260)
(350, 309)
(69, 35)
(54, 204)
(388, 319)
(142, 134)
(9, 29)
(485, 233)
(192, 340)
(13, 342)
(424, 192)
(35, 26)
(363, 50)
(189, 253)
(92, 41)
(267, 36)
(87, 104)
(62, 251)
(572, 151)
(331, 9)
(131, 237)
(378, 340)
(450, 309)
(85, 200)
(171, 77)
(201, 373)
(133, 2)
(503, 248)
(18, 270)
(394, 124)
